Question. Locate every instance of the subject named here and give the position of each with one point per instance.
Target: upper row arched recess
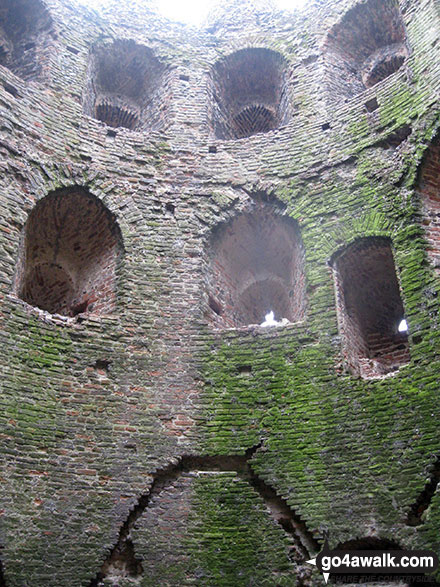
(250, 90)
(26, 32)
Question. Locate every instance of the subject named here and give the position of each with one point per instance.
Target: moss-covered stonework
(95, 411)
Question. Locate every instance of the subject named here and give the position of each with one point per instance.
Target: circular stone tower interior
(219, 289)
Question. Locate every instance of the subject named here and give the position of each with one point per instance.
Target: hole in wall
(372, 105)
(326, 126)
(215, 306)
(123, 562)
(70, 254)
(256, 267)
(365, 47)
(170, 208)
(11, 90)
(250, 93)
(212, 149)
(396, 138)
(370, 308)
(102, 365)
(25, 35)
(72, 50)
(428, 187)
(125, 88)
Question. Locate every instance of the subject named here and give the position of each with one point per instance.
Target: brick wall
(150, 439)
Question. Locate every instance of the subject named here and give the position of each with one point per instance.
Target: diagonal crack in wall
(424, 499)
(303, 544)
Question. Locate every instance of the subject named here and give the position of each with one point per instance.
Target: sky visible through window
(195, 11)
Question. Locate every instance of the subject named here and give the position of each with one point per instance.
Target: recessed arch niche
(125, 86)
(370, 308)
(71, 250)
(256, 265)
(365, 47)
(25, 37)
(250, 92)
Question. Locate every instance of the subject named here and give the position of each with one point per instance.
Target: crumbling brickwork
(162, 188)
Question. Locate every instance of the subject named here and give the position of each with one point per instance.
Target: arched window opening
(250, 93)
(429, 190)
(125, 86)
(25, 29)
(256, 269)
(71, 249)
(370, 308)
(365, 47)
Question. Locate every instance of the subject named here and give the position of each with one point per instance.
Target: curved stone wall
(145, 437)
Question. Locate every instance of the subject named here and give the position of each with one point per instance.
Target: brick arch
(256, 265)
(71, 250)
(365, 47)
(125, 86)
(370, 308)
(25, 31)
(250, 93)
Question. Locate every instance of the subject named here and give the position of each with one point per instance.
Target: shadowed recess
(25, 29)
(429, 190)
(250, 93)
(125, 86)
(122, 561)
(423, 501)
(69, 259)
(256, 266)
(370, 308)
(365, 47)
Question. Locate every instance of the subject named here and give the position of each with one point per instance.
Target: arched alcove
(370, 308)
(256, 266)
(250, 93)
(70, 253)
(429, 190)
(366, 46)
(25, 33)
(125, 86)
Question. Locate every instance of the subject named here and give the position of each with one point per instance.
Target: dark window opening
(256, 268)
(367, 46)
(70, 255)
(370, 308)
(250, 93)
